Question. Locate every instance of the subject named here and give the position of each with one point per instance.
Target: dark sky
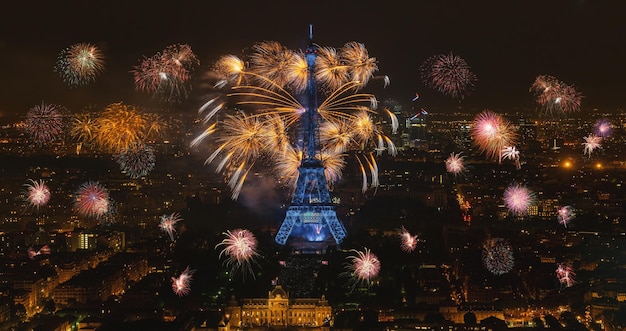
(507, 43)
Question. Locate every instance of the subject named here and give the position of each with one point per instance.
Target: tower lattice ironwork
(312, 214)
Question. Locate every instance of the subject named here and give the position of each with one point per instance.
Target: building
(279, 310)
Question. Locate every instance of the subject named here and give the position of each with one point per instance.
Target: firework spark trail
(408, 242)
(554, 95)
(449, 74)
(454, 163)
(511, 153)
(240, 250)
(518, 198)
(362, 267)
(491, 133)
(37, 193)
(262, 94)
(92, 200)
(565, 215)
(592, 142)
(46, 123)
(166, 74)
(120, 128)
(44, 250)
(181, 285)
(168, 223)
(497, 256)
(136, 162)
(602, 128)
(565, 274)
(79, 64)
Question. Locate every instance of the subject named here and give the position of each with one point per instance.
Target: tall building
(311, 220)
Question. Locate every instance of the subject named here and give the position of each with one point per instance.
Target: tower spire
(311, 216)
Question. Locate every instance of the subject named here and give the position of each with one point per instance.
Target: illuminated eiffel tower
(311, 218)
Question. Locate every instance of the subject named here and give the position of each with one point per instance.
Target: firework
(120, 128)
(136, 162)
(82, 129)
(166, 75)
(156, 126)
(92, 200)
(181, 285)
(79, 64)
(565, 215)
(240, 250)
(565, 274)
(408, 241)
(449, 74)
(554, 95)
(363, 267)
(287, 166)
(37, 193)
(44, 250)
(511, 153)
(265, 124)
(491, 134)
(361, 67)
(518, 198)
(168, 223)
(46, 123)
(454, 163)
(497, 256)
(602, 128)
(591, 143)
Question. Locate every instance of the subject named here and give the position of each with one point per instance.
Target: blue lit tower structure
(311, 217)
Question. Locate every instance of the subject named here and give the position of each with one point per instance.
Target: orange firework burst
(120, 128)
(265, 121)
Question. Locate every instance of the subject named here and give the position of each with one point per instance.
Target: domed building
(278, 310)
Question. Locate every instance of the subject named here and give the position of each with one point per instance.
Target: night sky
(506, 43)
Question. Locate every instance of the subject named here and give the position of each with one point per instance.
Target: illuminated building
(279, 310)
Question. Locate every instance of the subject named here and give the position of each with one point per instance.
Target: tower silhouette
(311, 219)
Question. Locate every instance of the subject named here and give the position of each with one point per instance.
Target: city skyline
(156, 157)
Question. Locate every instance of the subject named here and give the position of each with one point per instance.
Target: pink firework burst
(555, 95)
(37, 193)
(565, 215)
(511, 153)
(518, 198)
(592, 142)
(602, 128)
(454, 163)
(44, 250)
(168, 223)
(92, 200)
(449, 74)
(181, 285)
(364, 266)
(565, 274)
(491, 133)
(46, 123)
(240, 250)
(408, 242)
(166, 75)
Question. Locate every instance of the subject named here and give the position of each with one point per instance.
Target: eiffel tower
(311, 219)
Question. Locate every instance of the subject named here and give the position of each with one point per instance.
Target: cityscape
(293, 188)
